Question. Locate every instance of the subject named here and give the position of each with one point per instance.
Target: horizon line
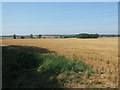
(59, 34)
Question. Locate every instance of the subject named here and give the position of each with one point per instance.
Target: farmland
(100, 54)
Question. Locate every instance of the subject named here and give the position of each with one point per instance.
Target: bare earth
(101, 54)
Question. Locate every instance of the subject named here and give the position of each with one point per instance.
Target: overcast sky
(59, 17)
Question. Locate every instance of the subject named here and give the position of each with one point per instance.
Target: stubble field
(101, 54)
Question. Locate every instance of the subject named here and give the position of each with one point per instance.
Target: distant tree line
(84, 35)
(112, 35)
(30, 36)
(69, 36)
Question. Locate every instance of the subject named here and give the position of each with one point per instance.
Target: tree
(39, 36)
(97, 35)
(84, 35)
(14, 36)
(31, 35)
(22, 37)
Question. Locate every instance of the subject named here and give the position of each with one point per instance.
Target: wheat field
(101, 54)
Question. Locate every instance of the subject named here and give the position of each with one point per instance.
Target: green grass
(30, 67)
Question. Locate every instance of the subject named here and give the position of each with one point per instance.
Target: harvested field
(101, 54)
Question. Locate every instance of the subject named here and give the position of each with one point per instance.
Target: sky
(24, 18)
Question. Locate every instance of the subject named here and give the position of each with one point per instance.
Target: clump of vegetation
(84, 35)
(23, 68)
(39, 36)
(69, 36)
(22, 37)
(14, 36)
(31, 36)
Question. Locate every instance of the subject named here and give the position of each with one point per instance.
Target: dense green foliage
(14, 36)
(84, 35)
(31, 67)
(39, 36)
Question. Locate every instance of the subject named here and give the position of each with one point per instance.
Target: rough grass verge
(27, 69)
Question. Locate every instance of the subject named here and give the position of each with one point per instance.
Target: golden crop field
(101, 54)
